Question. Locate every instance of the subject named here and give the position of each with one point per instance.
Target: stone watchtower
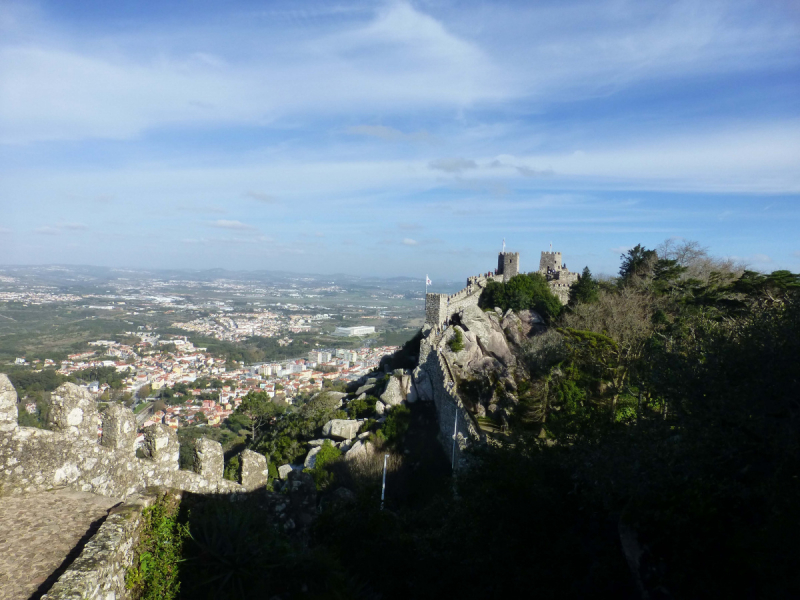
(508, 265)
(550, 262)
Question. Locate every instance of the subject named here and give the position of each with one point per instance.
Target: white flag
(428, 281)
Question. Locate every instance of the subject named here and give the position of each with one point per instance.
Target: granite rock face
(341, 429)
(394, 393)
(8, 404)
(311, 458)
(422, 385)
(488, 333)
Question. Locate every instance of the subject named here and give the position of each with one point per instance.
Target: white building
(354, 331)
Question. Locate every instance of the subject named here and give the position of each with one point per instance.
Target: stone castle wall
(72, 456)
(435, 375)
(439, 307)
(99, 572)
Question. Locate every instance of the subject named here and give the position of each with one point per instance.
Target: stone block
(254, 469)
(73, 411)
(8, 404)
(209, 460)
(161, 446)
(284, 470)
(119, 429)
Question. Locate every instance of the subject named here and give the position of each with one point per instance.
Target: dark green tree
(637, 263)
(585, 290)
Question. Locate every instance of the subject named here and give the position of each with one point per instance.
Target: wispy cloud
(453, 165)
(233, 225)
(410, 242)
(46, 230)
(261, 197)
(74, 226)
(390, 134)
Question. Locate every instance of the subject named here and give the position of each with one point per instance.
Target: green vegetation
(326, 455)
(585, 290)
(363, 408)
(522, 292)
(456, 343)
(154, 574)
(395, 427)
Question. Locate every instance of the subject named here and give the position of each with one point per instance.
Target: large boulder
(8, 404)
(471, 351)
(358, 450)
(394, 393)
(423, 385)
(512, 326)
(311, 458)
(284, 470)
(531, 322)
(488, 332)
(342, 429)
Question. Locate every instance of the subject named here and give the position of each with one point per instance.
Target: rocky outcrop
(342, 429)
(311, 458)
(284, 470)
(488, 334)
(393, 395)
(423, 385)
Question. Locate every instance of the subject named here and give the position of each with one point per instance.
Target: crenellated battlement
(71, 455)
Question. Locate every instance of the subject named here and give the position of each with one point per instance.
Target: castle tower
(550, 262)
(508, 265)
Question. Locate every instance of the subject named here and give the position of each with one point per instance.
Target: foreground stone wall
(99, 572)
(71, 455)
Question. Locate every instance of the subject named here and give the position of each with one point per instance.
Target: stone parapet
(254, 470)
(209, 460)
(72, 456)
(8, 405)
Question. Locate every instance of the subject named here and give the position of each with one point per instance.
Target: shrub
(326, 455)
(395, 426)
(154, 574)
(456, 343)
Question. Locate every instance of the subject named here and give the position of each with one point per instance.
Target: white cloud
(46, 230)
(401, 59)
(410, 242)
(234, 225)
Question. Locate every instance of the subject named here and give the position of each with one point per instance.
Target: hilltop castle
(439, 307)
(557, 274)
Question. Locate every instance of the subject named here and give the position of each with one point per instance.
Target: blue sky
(396, 138)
